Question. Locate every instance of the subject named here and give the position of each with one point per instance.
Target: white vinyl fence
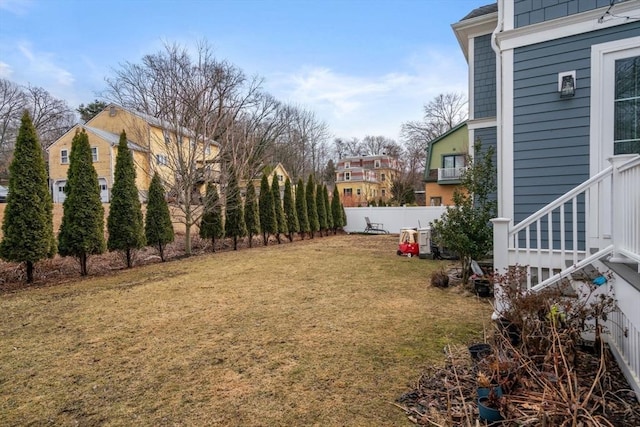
(392, 218)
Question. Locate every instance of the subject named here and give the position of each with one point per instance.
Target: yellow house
(278, 171)
(446, 161)
(363, 179)
(154, 145)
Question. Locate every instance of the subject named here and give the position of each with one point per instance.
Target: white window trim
(62, 161)
(347, 176)
(347, 165)
(566, 26)
(603, 57)
(96, 157)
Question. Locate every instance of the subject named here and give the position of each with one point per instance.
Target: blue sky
(364, 67)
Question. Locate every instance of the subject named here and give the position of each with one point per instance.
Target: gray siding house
(555, 86)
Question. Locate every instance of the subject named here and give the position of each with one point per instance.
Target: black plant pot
(479, 351)
(509, 330)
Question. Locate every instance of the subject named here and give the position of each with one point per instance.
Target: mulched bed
(51, 272)
(447, 396)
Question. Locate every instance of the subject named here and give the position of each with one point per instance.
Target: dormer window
(347, 165)
(376, 164)
(347, 176)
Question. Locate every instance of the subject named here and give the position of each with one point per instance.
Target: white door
(104, 190)
(58, 191)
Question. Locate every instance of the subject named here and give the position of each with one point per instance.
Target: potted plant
(486, 386)
(490, 407)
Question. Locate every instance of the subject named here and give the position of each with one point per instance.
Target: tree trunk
(250, 240)
(265, 238)
(29, 271)
(235, 243)
(278, 238)
(83, 264)
(187, 237)
(128, 252)
(213, 244)
(161, 250)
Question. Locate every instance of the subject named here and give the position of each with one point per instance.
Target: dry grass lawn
(325, 332)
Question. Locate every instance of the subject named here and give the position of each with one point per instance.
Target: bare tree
(51, 117)
(199, 100)
(12, 104)
(302, 149)
(441, 114)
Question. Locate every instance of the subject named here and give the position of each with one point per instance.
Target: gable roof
(482, 10)
(435, 141)
(154, 121)
(111, 138)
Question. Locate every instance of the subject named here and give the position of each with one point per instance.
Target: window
(347, 165)
(382, 177)
(207, 150)
(167, 137)
(384, 192)
(161, 159)
(436, 201)
(453, 161)
(94, 154)
(62, 188)
(348, 192)
(347, 176)
(358, 191)
(280, 178)
(626, 102)
(376, 163)
(64, 157)
(103, 187)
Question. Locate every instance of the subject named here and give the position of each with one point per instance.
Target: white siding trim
(566, 26)
(505, 140)
(471, 78)
(508, 15)
(488, 122)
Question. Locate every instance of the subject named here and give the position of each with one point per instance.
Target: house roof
(478, 22)
(482, 10)
(112, 138)
(154, 121)
(435, 141)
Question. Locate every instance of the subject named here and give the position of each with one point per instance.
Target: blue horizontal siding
(528, 12)
(484, 78)
(551, 134)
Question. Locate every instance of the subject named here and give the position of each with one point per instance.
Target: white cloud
(356, 105)
(42, 65)
(17, 7)
(5, 71)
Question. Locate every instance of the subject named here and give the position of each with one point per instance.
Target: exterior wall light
(567, 84)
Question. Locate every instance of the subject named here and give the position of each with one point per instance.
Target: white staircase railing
(598, 219)
(553, 241)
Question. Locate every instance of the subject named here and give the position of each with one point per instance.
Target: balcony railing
(450, 174)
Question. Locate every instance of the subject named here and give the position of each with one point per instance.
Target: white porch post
(619, 200)
(500, 260)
